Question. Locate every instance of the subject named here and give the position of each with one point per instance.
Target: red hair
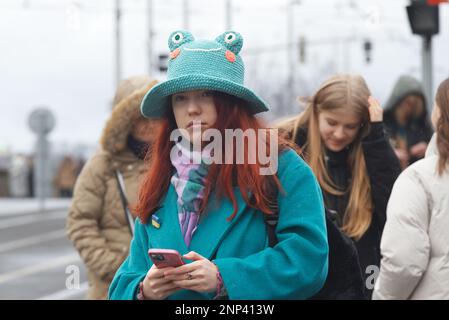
(221, 178)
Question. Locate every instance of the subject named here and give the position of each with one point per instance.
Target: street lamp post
(291, 52)
(228, 17)
(150, 36)
(118, 62)
(185, 15)
(41, 121)
(427, 70)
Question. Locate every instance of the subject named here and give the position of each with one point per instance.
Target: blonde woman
(415, 244)
(342, 136)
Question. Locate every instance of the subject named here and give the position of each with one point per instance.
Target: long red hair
(231, 114)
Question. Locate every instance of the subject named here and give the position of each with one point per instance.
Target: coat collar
(211, 230)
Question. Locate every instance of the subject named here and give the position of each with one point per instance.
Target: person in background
(96, 224)
(406, 120)
(65, 177)
(415, 242)
(341, 134)
(30, 176)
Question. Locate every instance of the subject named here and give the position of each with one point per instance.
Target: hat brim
(155, 103)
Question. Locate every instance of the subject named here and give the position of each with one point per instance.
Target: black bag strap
(121, 189)
(271, 220)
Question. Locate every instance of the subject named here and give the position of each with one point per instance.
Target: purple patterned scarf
(189, 182)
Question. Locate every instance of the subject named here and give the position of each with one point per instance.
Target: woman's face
(338, 129)
(411, 107)
(195, 112)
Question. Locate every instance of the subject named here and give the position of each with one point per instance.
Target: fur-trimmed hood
(122, 119)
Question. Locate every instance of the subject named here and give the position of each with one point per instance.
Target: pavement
(37, 261)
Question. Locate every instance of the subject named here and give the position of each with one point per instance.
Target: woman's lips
(335, 144)
(195, 124)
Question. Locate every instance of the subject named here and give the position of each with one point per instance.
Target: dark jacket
(383, 169)
(417, 130)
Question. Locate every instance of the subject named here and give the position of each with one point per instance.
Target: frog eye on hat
(232, 40)
(178, 38)
(230, 37)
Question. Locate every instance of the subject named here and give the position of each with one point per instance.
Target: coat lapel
(214, 225)
(168, 235)
(212, 228)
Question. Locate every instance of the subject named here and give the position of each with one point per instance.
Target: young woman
(342, 136)
(213, 213)
(415, 242)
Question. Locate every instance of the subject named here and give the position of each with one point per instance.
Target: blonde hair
(350, 93)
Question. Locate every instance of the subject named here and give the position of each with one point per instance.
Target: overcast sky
(60, 54)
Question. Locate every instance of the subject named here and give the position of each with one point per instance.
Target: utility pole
(291, 53)
(228, 11)
(427, 69)
(185, 14)
(150, 36)
(118, 67)
(42, 121)
(290, 57)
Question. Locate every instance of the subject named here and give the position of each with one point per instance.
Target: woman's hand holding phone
(200, 275)
(156, 286)
(167, 275)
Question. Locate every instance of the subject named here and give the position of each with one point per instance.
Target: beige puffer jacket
(415, 241)
(96, 223)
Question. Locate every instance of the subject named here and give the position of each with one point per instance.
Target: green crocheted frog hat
(202, 65)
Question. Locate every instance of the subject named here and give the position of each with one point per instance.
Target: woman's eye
(331, 123)
(207, 94)
(178, 98)
(353, 127)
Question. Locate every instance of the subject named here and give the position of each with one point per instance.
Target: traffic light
(436, 2)
(423, 18)
(367, 47)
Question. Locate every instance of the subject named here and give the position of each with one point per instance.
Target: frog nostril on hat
(175, 53)
(230, 56)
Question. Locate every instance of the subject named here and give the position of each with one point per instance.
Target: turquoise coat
(296, 268)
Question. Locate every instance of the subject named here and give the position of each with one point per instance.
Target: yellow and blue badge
(155, 221)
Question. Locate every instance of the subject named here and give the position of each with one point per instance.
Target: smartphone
(164, 258)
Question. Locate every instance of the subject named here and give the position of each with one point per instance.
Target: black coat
(383, 169)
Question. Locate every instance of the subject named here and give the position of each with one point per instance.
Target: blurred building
(19, 172)
(5, 160)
